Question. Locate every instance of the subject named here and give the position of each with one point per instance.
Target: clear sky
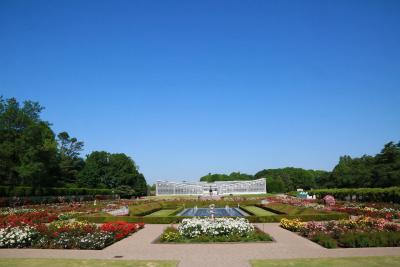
(191, 87)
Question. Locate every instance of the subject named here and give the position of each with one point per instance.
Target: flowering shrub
(65, 235)
(29, 218)
(17, 237)
(74, 228)
(66, 240)
(292, 225)
(198, 230)
(96, 240)
(120, 229)
(9, 211)
(218, 227)
(68, 215)
(170, 235)
(330, 233)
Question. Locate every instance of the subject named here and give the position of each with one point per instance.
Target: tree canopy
(28, 149)
(106, 170)
(381, 170)
(224, 177)
(32, 155)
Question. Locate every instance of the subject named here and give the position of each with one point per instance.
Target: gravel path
(140, 246)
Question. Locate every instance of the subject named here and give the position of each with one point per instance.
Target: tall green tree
(70, 162)
(28, 149)
(292, 178)
(106, 170)
(234, 176)
(275, 185)
(381, 170)
(386, 171)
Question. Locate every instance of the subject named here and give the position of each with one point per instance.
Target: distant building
(216, 188)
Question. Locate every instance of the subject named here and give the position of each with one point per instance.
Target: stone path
(140, 246)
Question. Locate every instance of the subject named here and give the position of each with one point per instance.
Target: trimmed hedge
(325, 240)
(374, 239)
(177, 211)
(305, 218)
(177, 219)
(281, 208)
(144, 209)
(26, 191)
(390, 194)
(145, 219)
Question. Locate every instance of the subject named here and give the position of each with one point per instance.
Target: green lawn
(83, 263)
(258, 211)
(161, 213)
(331, 262)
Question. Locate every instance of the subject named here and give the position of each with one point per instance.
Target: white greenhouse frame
(165, 188)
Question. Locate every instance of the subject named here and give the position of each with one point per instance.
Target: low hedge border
(178, 210)
(305, 218)
(177, 219)
(270, 209)
(133, 219)
(390, 194)
(145, 209)
(26, 191)
(247, 211)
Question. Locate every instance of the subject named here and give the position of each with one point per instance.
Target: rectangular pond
(218, 212)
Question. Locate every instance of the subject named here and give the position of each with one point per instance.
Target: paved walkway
(140, 246)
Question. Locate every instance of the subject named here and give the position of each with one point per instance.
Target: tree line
(31, 154)
(381, 170)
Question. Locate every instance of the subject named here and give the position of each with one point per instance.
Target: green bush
(170, 234)
(325, 241)
(176, 211)
(390, 194)
(144, 209)
(281, 208)
(304, 218)
(374, 239)
(26, 191)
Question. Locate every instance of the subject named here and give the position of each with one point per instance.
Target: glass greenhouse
(216, 188)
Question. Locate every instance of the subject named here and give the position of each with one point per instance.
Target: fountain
(212, 206)
(212, 211)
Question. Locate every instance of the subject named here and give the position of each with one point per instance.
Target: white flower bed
(16, 237)
(8, 211)
(219, 227)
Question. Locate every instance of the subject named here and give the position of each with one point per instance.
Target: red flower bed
(121, 229)
(30, 218)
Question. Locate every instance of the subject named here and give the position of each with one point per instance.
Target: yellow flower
(292, 225)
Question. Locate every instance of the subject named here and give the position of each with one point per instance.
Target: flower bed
(65, 235)
(376, 210)
(121, 229)
(361, 232)
(370, 210)
(27, 218)
(218, 230)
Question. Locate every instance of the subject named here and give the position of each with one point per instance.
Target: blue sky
(191, 87)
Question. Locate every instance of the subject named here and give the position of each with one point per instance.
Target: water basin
(218, 212)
